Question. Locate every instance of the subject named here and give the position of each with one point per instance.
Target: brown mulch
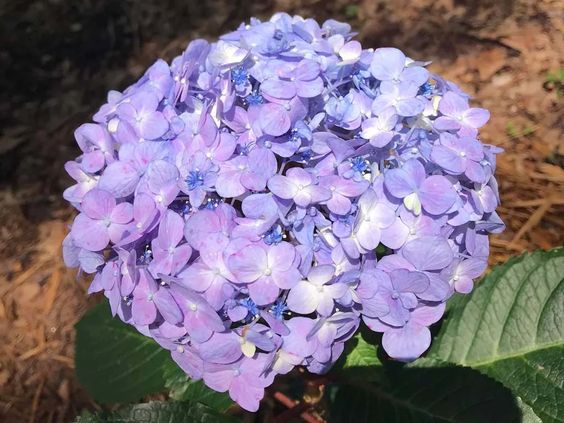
(58, 59)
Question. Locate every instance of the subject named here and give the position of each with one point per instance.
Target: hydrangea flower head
(231, 203)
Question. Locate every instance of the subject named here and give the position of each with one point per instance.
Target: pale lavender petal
(278, 88)
(406, 343)
(249, 264)
(428, 253)
(303, 298)
(476, 117)
(274, 119)
(90, 234)
(282, 186)
(452, 104)
(387, 63)
(448, 159)
(119, 178)
(437, 194)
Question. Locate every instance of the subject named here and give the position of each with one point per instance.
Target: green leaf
(512, 329)
(430, 391)
(159, 412)
(181, 388)
(361, 353)
(360, 358)
(114, 362)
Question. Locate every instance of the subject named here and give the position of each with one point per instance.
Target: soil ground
(58, 58)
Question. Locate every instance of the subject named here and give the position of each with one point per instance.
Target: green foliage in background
(498, 357)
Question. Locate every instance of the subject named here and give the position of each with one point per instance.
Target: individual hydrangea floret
(255, 201)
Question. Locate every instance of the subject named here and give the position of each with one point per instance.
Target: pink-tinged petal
(278, 88)
(273, 119)
(427, 315)
(144, 312)
(167, 306)
(375, 324)
(387, 63)
(437, 194)
(264, 291)
(283, 187)
(300, 176)
(221, 348)
(161, 263)
(93, 161)
(249, 264)
(247, 396)
(90, 234)
(287, 279)
(171, 230)
(281, 256)
(428, 253)
(122, 213)
(218, 377)
(445, 123)
(339, 204)
(218, 292)
(307, 70)
(310, 89)
(303, 298)
(98, 204)
(180, 257)
(153, 126)
(190, 362)
(119, 178)
(453, 105)
(228, 185)
(407, 343)
(316, 194)
(476, 117)
(161, 173)
(464, 285)
(253, 181)
(448, 159)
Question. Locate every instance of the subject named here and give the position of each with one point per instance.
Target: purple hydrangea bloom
(458, 116)
(250, 204)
